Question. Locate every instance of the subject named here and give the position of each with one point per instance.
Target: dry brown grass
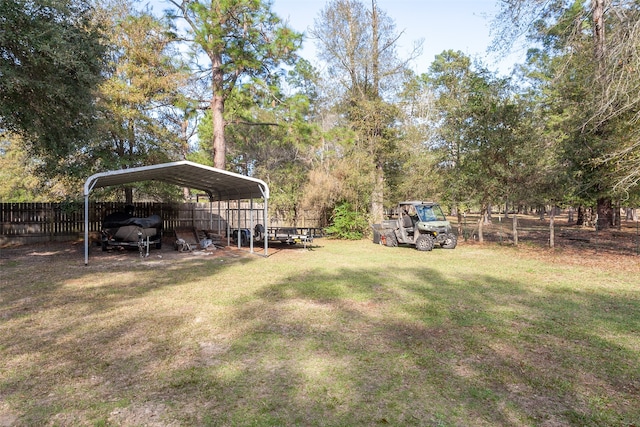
(617, 247)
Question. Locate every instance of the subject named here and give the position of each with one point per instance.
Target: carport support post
(239, 230)
(219, 217)
(251, 224)
(228, 226)
(266, 222)
(210, 212)
(266, 228)
(86, 229)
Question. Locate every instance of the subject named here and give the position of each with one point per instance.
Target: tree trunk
(605, 213)
(580, 220)
(377, 195)
(631, 214)
(515, 229)
(217, 112)
(483, 212)
(375, 60)
(131, 144)
(604, 207)
(219, 144)
(598, 33)
(552, 234)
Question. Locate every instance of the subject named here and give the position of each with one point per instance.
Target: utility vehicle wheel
(390, 239)
(451, 242)
(424, 242)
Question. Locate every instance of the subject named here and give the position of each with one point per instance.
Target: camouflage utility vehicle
(417, 223)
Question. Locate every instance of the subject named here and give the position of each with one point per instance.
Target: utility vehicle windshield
(430, 213)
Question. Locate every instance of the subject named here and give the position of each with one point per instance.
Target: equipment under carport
(122, 229)
(291, 236)
(188, 239)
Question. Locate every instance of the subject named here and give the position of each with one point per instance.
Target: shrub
(347, 223)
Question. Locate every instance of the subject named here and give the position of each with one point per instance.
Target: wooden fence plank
(53, 221)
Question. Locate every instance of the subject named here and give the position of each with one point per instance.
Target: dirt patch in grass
(616, 248)
(72, 253)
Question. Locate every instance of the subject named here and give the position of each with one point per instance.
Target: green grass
(349, 333)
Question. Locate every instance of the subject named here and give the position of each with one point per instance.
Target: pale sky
(443, 24)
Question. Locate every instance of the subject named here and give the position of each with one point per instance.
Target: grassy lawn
(349, 333)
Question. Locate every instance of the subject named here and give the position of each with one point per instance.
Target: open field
(348, 333)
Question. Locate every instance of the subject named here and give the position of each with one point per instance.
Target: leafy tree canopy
(51, 59)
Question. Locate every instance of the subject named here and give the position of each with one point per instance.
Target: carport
(220, 185)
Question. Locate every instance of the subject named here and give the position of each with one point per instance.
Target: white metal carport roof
(217, 183)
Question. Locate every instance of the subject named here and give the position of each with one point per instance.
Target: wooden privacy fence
(37, 222)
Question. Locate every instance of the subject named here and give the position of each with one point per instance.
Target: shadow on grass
(76, 341)
(357, 347)
(135, 344)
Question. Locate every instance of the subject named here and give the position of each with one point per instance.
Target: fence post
(596, 233)
(49, 221)
(552, 236)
